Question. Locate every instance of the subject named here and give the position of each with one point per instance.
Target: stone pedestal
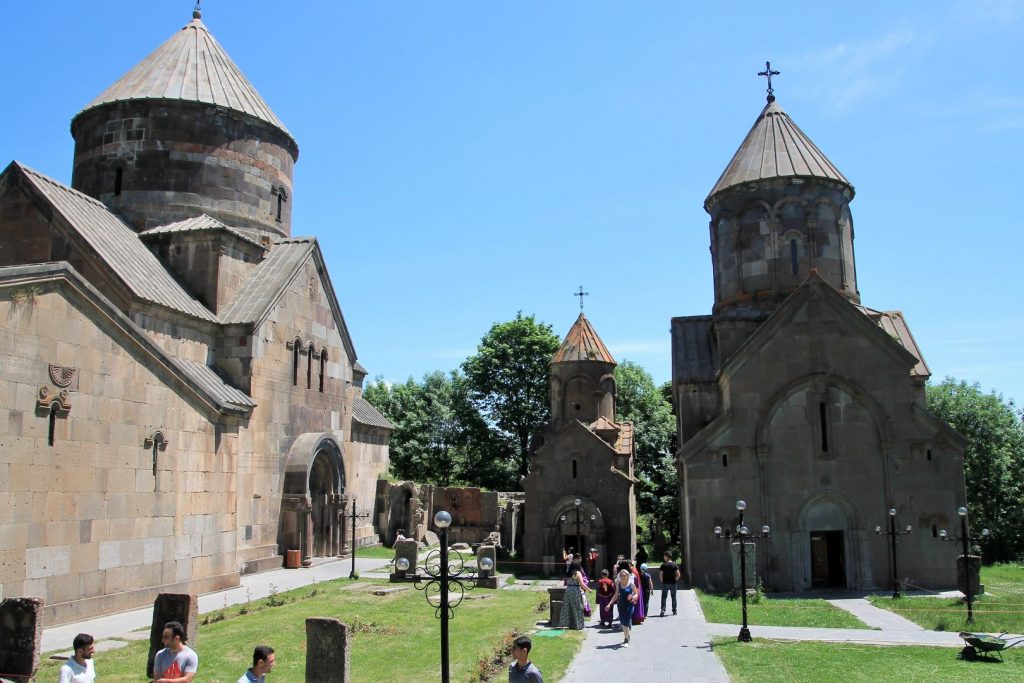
(21, 632)
(180, 607)
(973, 571)
(327, 651)
(409, 549)
(555, 598)
(487, 579)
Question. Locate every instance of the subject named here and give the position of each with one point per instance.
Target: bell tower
(582, 377)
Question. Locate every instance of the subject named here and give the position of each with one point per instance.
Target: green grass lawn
(777, 612)
(1000, 609)
(397, 637)
(376, 551)
(765, 661)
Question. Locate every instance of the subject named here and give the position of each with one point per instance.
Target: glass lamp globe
(487, 564)
(402, 564)
(443, 519)
(741, 505)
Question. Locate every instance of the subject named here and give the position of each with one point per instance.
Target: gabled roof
(775, 147)
(364, 413)
(269, 280)
(117, 245)
(190, 66)
(202, 223)
(895, 325)
(582, 344)
(200, 381)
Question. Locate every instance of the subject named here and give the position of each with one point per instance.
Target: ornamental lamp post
(892, 534)
(743, 534)
(965, 537)
(579, 548)
(442, 579)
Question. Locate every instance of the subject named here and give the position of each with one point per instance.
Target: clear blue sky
(461, 161)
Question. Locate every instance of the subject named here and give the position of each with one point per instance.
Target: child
(605, 596)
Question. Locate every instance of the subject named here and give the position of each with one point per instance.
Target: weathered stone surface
(327, 651)
(487, 579)
(406, 549)
(973, 572)
(555, 597)
(21, 632)
(180, 607)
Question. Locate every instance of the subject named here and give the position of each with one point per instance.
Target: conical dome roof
(191, 66)
(582, 343)
(776, 148)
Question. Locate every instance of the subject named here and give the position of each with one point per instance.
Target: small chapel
(796, 398)
(580, 489)
(182, 395)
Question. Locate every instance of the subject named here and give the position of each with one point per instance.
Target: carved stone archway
(312, 504)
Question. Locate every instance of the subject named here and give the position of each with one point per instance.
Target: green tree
(993, 461)
(508, 379)
(643, 403)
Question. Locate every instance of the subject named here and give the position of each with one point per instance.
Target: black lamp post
(354, 517)
(892, 534)
(743, 534)
(445, 579)
(965, 537)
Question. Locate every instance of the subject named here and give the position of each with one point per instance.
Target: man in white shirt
(79, 668)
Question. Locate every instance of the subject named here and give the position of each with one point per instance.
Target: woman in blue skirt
(625, 597)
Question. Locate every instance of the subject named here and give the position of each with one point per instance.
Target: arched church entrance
(578, 528)
(825, 540)
(313, 504)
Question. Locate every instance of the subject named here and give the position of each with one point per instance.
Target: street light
(441, 578)
(743, 533)
(579, 548)
(892, 534)
(965, 536)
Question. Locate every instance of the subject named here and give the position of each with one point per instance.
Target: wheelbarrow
(984, 645)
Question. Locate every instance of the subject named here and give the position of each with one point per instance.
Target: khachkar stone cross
(581, 294)
(768, 73)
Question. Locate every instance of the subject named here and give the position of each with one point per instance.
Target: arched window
(823, 418)
(118, 177)
(574, 468)
(794, 261)
(323, 368)
(309, 366)
(296, 350)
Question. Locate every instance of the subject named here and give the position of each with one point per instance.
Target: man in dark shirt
(669, 576)
(522, 670)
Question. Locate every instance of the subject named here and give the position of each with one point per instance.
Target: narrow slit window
(794, 262)
(823, 419)
(51, 434)
(118, 178)
(574, 468)
(280, 205)
(296, 350)
(323, 368)
(309, 366)
(935, 531)
(928, 454)
(725, 459)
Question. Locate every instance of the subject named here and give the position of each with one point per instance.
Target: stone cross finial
(768, 73)
(581, 294)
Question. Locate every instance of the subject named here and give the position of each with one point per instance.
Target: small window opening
(53, 425)
(577, 406)
(118, 177)
(824, 427)
(928, 454)
(794, 262)
(309, 367)
(280, 206)
(935, 531)
(574, 468)
(725, 459)
(323, 368)
(296, 349)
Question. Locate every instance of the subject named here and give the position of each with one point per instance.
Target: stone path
(875, 617)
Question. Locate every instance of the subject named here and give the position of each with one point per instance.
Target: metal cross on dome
(768, 73)
(581, 294)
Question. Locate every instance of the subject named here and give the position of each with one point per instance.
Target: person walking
(640, 609)
(572, 603)
(646, 586)
(176, 663)
(523, 670)
(626, 596)
(79, 669)
(263, 660)
(669, 578)
(605, 598)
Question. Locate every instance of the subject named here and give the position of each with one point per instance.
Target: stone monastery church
(798, 399)
(181, 398)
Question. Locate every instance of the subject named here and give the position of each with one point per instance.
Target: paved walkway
(661, 650)
(253, 587)
(875, 617)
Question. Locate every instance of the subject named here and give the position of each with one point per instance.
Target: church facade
(799, 400)
(580, 489)
(181, 394)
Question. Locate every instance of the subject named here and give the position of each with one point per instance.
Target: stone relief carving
(62, 376)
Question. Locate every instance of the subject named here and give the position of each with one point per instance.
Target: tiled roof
(201, 223)
(624, 444)
(895, 325)
(364, 413)
(776, 147)
(190, 66)
(118, 246)
(694, 355)
(582, 343)
(211, 382)
(267, 280)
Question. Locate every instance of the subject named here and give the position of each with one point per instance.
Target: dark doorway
(828, 559)
(569, 543)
